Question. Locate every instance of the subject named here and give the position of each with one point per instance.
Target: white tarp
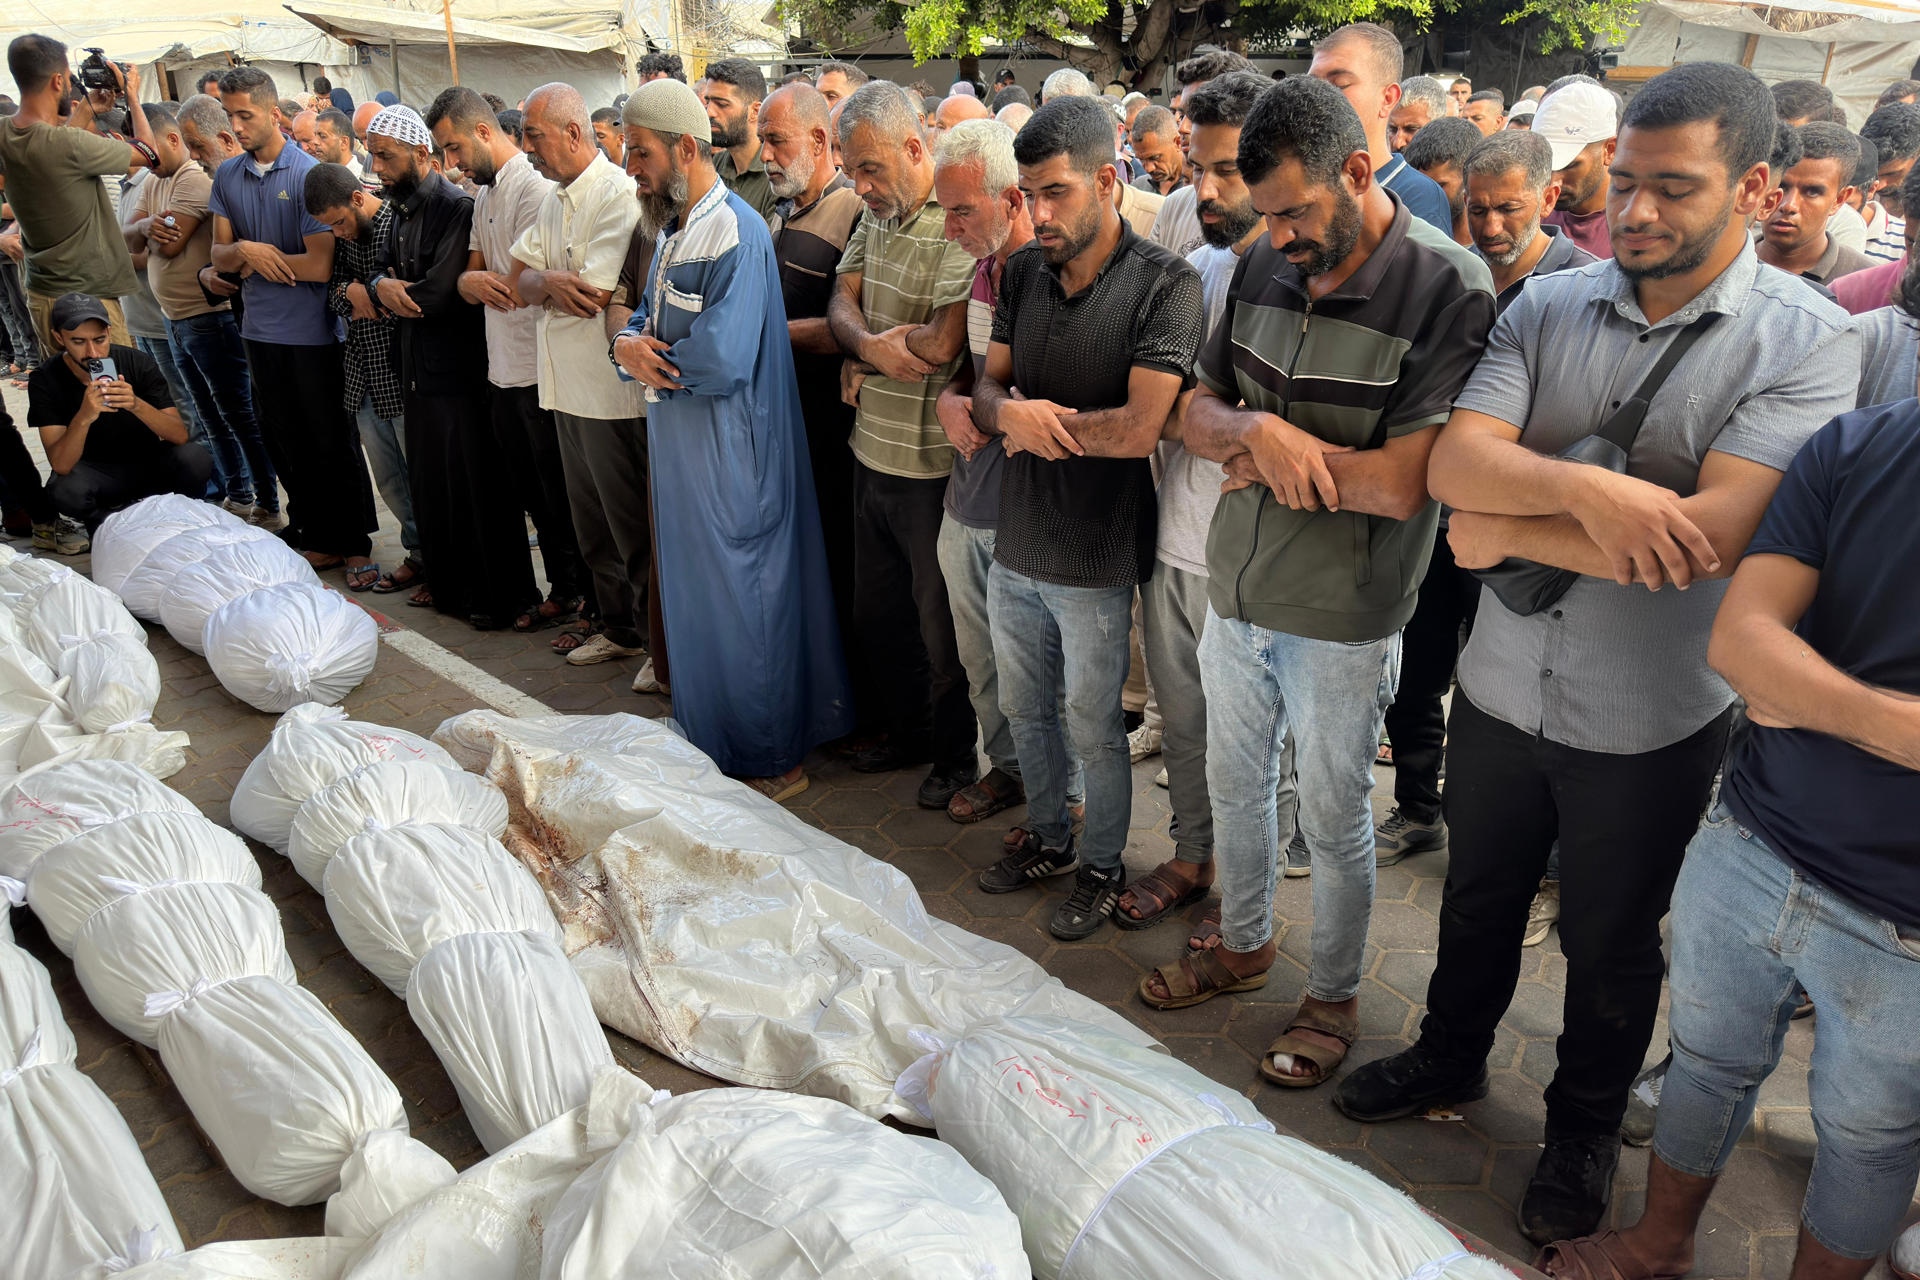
(713, 925)
(76, 1188)
(311, 747)
(1122, 1161)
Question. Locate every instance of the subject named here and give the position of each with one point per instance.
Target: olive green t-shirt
(72, 239)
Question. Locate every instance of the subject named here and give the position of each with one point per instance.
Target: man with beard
(1793, 232)
(1314, 557)
(471, 532)
(1510, 184)
(1596, 720)
(1177, 225)
(261, 228)
(1422, 101)
(758, 678)
(1174, 604)
(733, 90)
(977, 181)
(1579, 120)
(567, 265)
(333, 142)
(510, 192)
(811, 227)
(899, 312)
(1097, 328)
(360, 223)
(1440, 151)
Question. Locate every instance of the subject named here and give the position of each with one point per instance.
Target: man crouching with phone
(107, 420)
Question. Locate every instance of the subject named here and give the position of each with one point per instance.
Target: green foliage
(1553, 24)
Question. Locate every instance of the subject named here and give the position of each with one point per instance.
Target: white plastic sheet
(712, 924)
(386, 795)
(233, 570)
(1123, 1161)
(736, 1182)
(42, 808)
(142, 588)
(396, 894)
(299, 1258)
(277, 647)
(77, 1190)
(124, 538)
(284, 1090)
(386, 1172)
(311, 747)
(95, 869)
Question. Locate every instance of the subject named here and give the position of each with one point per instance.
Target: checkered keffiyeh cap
(403, 124)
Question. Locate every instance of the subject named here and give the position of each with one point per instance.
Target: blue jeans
(162, 352)
(1260, 687)
(213, 364)
(1748, 930)
(385, 441)
(1062, 654)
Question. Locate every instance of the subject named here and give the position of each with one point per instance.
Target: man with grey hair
(567, 264)
(1511, 186)
(1156, 145)
(1014, 115)
(977, 182)
(1066, 83)
(758, 677)
(204, 129)
(1422, 101)
(900, 315)
(811, 226)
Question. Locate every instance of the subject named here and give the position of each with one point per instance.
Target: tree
(1134, 42)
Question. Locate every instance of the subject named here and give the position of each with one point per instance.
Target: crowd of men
(927, 429)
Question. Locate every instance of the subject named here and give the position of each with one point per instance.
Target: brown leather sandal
(1155, 894)
(1602, 1256)
(1208, 930)
(1196, 978)
(1320, 1057)
(998, 790)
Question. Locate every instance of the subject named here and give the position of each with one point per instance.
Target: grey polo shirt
(1620, 669)
(1889, 348)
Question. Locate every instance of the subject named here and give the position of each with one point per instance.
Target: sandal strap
(1198, 972)
(1157, 893)
(1311, 1018)
(1590, 1254)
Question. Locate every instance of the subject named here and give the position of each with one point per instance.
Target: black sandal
(552, 612)
(392, 582)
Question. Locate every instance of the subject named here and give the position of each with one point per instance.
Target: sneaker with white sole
(1542, 914)
(1299, 860)
(246, 511)
(1026, 863)
(271, 521)
(62, 536)
(599, 648)
(1160, 779)
(1398, 836)
(1143, 742)
(646, 682)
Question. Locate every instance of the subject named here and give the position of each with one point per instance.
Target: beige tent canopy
(506, 46)
(1854, 47)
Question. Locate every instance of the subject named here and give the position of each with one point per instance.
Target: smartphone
(103, 370)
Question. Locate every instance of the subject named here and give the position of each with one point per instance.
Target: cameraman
(71, 238)
(112, 436)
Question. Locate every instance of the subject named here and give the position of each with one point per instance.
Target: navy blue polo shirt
(1841, 815)
(272, 208)
(1424, 198)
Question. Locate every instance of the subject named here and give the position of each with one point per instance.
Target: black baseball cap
(71, 310)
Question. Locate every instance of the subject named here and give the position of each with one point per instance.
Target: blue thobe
(758, 678)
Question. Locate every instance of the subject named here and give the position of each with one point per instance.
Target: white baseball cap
(1574, 118)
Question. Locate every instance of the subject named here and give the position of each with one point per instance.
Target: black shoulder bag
(1525, 586)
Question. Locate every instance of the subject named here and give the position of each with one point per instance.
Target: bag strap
(1623, 426)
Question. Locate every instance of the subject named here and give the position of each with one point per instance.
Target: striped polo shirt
(1380, 356)
(908, 271)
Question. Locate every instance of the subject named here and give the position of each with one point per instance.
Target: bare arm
(1786, 683)
(1131, 430)
(315, 263)
(226, 246)
(942, 337)
(845, 323)
(813, 336)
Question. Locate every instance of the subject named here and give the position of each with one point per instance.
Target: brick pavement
(1471, 1171)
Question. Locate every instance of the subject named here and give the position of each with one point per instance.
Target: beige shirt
(584, 227)
(502, 212)
(1140, 208)
(175, 280)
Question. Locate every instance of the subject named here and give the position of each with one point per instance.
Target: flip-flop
(391, 582)
(356, 571)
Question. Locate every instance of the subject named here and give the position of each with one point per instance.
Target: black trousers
(1429, 648)
(529, 443)
(19, 478)
(828, 426)
(1623, 823)
(314, 445)
(90, 492)
(909, 660)
(470, 528)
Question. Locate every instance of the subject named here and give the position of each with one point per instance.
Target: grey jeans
(1173, 615)
(966, 554)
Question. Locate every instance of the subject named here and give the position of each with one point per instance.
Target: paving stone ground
(1470, 1171)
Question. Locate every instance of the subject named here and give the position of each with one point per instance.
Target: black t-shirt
(1838, 813)
(54, 394)
(1084, 521)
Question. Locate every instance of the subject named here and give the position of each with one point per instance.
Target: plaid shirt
(372, 364)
